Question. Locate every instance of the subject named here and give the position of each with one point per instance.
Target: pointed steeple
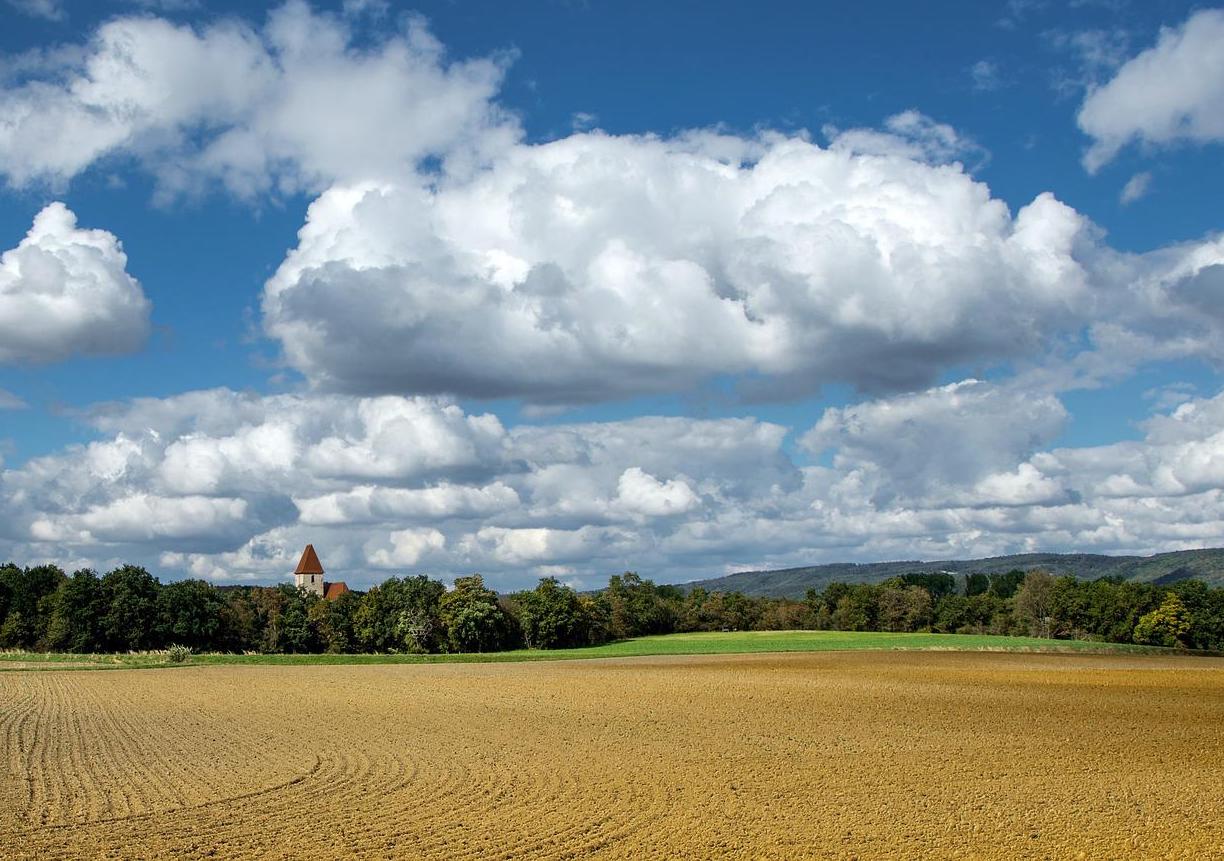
(309, 563)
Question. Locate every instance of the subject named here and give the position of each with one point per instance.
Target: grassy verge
(739, 642)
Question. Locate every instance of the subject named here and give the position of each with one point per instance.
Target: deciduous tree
(1167, 625)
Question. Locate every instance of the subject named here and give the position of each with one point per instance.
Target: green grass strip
(716, 643)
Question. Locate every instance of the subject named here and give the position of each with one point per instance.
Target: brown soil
(834, 755)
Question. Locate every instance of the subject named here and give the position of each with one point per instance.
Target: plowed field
(790, 756)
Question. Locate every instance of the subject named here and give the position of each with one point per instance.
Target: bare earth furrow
(780, 757)
(18, 711)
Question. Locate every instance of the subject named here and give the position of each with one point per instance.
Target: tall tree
(76, 620)
(333, 622)
(401, 615)
(129, 594)
(1006, 585)
(189, 612)
(297, 633)
(976, 583)
(1034, 604)
(858, 609)
(637, 607)
(1167, 625)
(552, 616)
(938, 583)
(31, 598)
(473, 617)
(1206, 611)
(905, 609)
(8, 572)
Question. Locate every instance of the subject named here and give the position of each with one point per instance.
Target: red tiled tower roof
(309, 563)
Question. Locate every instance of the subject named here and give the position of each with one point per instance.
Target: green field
(745, 642)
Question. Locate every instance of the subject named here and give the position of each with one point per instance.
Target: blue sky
(681, 287)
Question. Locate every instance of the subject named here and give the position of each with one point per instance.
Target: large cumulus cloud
(294, 104)
(599, 266)
(65, 290)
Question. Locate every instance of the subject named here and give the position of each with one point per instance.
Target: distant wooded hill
(1163, 568)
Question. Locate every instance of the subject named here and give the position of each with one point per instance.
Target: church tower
(309, 573)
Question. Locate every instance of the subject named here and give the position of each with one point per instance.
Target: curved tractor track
(776, 756)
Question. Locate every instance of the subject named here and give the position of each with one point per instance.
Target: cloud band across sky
(226, 485)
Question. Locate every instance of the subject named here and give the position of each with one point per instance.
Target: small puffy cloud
(1136, 187)
(583, 121)
(1025, 485)
(577, 472)
(407, 548)
(9, 401)
(1181, 456)
(1171, 93)
(253, 456)
(1173, 299)
(641, 493)
(66, 291)
(297, 104)
(376, 8)
(1015, 12)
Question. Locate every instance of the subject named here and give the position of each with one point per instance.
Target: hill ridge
(1205, 564)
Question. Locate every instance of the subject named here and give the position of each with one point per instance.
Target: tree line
(128, 609)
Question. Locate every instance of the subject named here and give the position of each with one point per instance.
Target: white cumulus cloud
(925, 446)
(66, 290)
(1171, 93)
(955, 471)
(642, 493)
(295, 104)
(596, 267)
(407, 548)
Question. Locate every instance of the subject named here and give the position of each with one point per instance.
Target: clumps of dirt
(833, 755)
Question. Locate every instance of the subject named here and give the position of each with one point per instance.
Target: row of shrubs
(42, 608)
